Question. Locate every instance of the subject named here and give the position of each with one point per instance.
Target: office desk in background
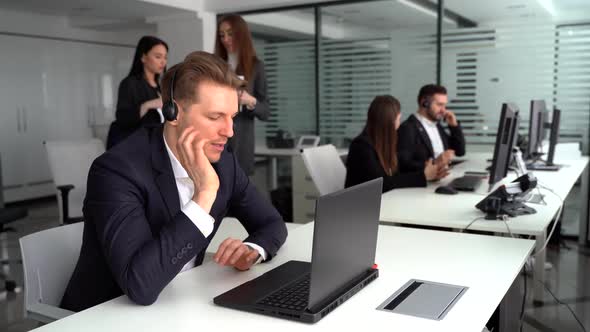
(303, 190)
(487, 265)
(273, 154)
(422, 206)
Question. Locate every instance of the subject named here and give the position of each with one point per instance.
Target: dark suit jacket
(243, 140)
(362, 165)
(415, 148)
(136, 239)
(133, 91)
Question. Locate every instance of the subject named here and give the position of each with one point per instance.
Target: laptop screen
(344, 239)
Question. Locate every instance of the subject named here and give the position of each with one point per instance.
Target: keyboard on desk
(542, 167)
(467, 182)
(293, 296)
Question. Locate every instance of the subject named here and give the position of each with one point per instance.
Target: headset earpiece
(426, 103)
(169, 109)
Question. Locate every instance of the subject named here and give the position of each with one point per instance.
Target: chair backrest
(325, 167)
(49, 258)
(69, 162)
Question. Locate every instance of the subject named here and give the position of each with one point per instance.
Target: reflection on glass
(369, 49)
(516, 54)
(285, 41)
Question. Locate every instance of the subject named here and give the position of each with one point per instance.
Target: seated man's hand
(442, 171)
(451, 119)
(445, 158)
(233, 252)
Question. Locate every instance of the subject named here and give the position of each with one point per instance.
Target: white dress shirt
(192, 210)
(433, 134)
(232, 60)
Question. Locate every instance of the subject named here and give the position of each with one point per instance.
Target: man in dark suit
(155, 200)
(422, 137)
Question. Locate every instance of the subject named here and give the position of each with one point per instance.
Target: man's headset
(169, 109)
(427, 102)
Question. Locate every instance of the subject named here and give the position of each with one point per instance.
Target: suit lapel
(163, 172)
(424, 135)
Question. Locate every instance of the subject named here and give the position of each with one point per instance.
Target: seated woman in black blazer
(373, 153)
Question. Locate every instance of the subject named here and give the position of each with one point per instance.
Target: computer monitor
(504, 142)
(554, 135)
(536, 127)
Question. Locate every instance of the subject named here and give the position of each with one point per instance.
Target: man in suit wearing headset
(422, 139)
(154, 201)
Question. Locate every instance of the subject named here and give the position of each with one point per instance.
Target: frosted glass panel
(285, 41)
(369, 49)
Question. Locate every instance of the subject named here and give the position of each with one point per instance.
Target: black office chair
(7, 215)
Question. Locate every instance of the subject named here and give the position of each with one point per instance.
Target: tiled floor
(568, 280)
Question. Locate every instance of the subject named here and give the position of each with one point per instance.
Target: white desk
(422, 206)
(487, 265)
(273, 154)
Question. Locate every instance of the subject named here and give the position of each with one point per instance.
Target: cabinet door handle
(25, 120)
(88, 123)
(18, 119)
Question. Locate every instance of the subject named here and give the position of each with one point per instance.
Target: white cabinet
(51, 90)
(304, 192)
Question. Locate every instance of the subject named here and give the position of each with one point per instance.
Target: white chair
(325, 167)
(49, 258)
(69, 162)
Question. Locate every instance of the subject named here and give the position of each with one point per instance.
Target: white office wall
(56, 82)
(182, 33)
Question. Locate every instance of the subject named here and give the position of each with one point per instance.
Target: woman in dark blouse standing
(139, 95)
(373, 153)
(234, 45)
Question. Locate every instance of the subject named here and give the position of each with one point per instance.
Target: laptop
(342, 262)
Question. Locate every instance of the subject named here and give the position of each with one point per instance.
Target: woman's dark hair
(243, 41)
(380, 128)
(145, 44)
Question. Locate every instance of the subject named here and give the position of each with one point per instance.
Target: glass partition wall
(368, 49)
(325, 62)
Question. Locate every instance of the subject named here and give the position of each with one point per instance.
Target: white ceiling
(96, 14)
(559, 11)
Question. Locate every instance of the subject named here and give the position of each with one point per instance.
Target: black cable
(564, 304)
(523, 299)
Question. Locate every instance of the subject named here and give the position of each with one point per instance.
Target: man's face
(438, 107)
(212, 117)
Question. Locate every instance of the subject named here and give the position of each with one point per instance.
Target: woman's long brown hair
(243, 41)
(380, 128)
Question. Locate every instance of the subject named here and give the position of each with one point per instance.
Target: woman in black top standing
(234, 45)
(373, 153)
(139, 95)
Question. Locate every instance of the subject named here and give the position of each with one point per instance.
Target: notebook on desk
(343, 254)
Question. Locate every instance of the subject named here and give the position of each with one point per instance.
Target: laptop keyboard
(293, 296)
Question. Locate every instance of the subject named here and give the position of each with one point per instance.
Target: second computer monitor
(553, 136)
(536, 127)
(504, 142)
